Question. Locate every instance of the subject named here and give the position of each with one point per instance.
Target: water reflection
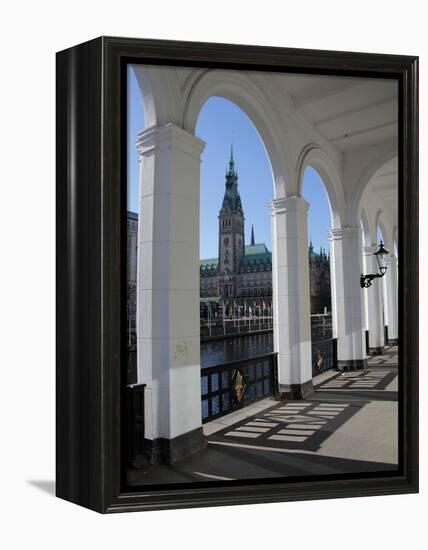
(232, 349)
(217, 352)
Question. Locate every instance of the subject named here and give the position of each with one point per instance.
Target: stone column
(346, 297)
(168, 344)
(374, 299)
(391, 277)
(291, 297)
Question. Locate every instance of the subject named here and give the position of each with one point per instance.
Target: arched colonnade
(168, 243)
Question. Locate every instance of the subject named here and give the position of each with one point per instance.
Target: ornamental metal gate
(324, 356)
(231, 386)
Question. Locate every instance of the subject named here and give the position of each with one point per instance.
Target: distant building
(240, 277)
(319, 280)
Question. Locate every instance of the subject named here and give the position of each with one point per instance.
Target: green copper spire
(231, 161)
(231, 196)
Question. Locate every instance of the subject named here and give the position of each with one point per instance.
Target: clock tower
(231, 235)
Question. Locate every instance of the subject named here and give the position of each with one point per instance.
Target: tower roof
(231, 200)
(231, 161)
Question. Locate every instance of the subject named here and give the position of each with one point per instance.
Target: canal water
(226, 350)
(232, 349)
(219, 351)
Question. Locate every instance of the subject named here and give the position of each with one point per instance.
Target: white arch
(243, 91)
(366, 176)
(161, 95)
(313, 155)
(381, 221)
(386, 234)
(367, 229)
(377, 215)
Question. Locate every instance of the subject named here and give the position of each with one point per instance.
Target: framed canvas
(216, 343)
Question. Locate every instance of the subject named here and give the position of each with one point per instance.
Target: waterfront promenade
(348, 425)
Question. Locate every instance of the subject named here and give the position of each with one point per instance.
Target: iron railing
(321, 326)
(237, 327)
(324, 356)
(231, 386)
(135, 422)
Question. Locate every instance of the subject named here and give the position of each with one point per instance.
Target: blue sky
(220, 122)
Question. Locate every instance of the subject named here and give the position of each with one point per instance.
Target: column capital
(348, 232)
(292, 203)
(167, 137)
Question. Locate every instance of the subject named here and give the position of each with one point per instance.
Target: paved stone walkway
(348, 425)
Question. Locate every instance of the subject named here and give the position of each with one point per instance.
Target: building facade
(353, 147)
(239, 280)
(319, 280)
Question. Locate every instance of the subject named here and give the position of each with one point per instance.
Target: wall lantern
(366, 280)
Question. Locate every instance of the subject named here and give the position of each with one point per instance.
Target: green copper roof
(209, 262)
(259, 248)
(256, 253)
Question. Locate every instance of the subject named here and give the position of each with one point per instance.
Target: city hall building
(347, 131)
(239, 281)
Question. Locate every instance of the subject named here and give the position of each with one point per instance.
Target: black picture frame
(91, 153)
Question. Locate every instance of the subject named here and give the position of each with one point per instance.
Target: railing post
(335, 353)
(275, 383)
(135, 424)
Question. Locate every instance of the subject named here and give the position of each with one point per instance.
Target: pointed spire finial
(252, 235)
(231, 161)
